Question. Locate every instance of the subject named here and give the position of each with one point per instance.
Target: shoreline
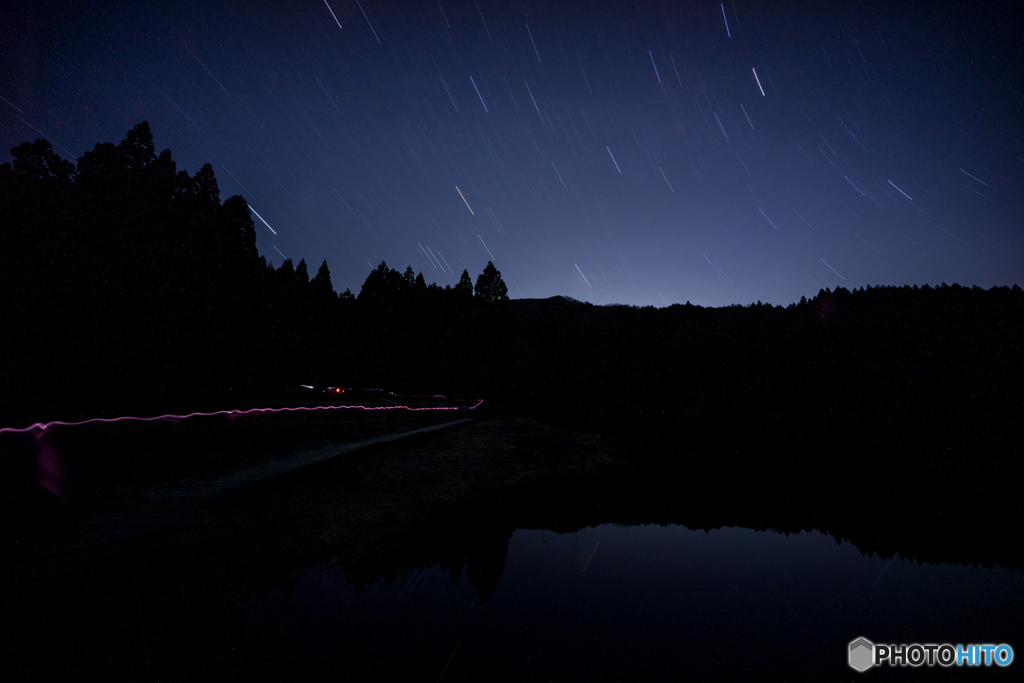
(496, 469)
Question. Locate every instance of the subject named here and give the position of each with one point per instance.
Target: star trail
(348, 124)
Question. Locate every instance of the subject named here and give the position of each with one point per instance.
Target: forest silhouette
(126, 280)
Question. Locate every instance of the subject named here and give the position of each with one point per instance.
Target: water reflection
(621, 603)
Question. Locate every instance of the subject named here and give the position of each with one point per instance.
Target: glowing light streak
(585, 79)
(535, 103)
(54, 142)
(854, 186)
(445, 262)
(464, 199)
(829, 160)
(970, 176)
(829, 146)
(558, 174)
(583, 276)
(332, 14)
(900, 191)
(850, 133)
(712, 264)
(9, 102)
(748, 117)
(758, 83)
(484, 22)
(443, 14)
(430, 260)
(485, 247)
(980, 194)
(722, 5)
(655, 66)
(613, 159)
(722, 127)
(666, 180)
(58, 423)
(431, 252)
(953, 236)
(734, 240)
(594, 551)
(266, 223)
(450, 658)
(803, 219)
(497, 223)
(533, 43)
(368, 22)
(478, 94)
(867, 243)
(207, 70)
(766, 217)
(832, 269)
(449, 93)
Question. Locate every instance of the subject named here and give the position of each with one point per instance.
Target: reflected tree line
(124, 278)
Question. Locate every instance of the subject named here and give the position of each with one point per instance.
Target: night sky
(642, 154)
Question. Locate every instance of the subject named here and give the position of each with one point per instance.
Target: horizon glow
(348, 140)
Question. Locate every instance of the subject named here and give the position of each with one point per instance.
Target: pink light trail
(58, 423)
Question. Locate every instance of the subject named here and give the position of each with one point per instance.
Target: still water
(618, 603)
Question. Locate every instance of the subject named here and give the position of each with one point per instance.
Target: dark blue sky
(612, 152)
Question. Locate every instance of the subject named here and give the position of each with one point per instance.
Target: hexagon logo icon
(861, 654)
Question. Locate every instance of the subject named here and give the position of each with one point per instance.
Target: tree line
(125, 279)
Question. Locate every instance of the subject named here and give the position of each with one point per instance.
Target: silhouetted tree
(156, 281)
(409, 277)
(464, 289)
(490, 286)
(383, 289)
(206, 185)
(286, 273)
(36, 161)
(321, 284)
(301, 274)
(137, 151)
(237, 236)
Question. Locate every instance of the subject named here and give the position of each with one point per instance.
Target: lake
(625, 603)
(526, 582)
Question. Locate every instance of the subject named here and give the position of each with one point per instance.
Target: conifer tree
(490, 286)
(464, 290)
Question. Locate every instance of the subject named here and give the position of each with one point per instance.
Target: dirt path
(179, 505)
